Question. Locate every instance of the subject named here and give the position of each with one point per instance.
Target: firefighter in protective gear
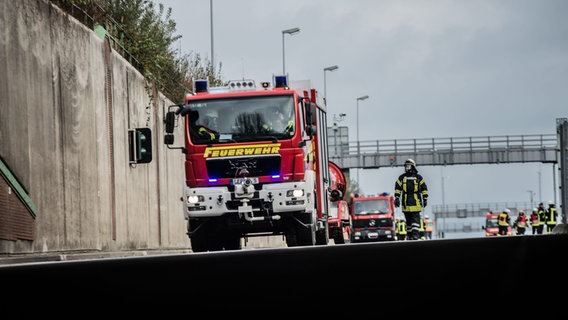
(541, 218)
(551, 217)
(534, 220)
(520, 223)
(199, 131)
(400, 227)
(411, 194)
(503, 222)
(422, 229)
(428, 225)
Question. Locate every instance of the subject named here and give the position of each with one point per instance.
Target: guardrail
(446, 151)
(539, 141)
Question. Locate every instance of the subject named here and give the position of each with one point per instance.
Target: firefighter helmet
(410, 161)
(409, 164)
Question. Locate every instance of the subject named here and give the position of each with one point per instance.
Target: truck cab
(491, 226)
(372, 218)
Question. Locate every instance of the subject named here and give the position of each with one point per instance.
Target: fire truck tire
(198, 243)
(206, 239)
(232, 241)
(322, 236)
(291, 240)
(306, 235)
(338, 239)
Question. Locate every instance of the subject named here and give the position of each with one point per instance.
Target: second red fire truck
(373, 218)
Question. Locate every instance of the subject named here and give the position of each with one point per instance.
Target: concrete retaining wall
(66, 104)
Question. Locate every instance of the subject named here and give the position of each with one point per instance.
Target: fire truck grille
(372, 223)
(257, 166)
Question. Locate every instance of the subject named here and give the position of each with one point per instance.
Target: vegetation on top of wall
(144, 34)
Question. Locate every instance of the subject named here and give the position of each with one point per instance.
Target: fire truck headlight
(295, 193)
(194, 199)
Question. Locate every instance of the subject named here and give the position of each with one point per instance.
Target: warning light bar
(236, 85)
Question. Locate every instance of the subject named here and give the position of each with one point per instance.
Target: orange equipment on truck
(256, 163)
(491, 226)
(338, 220)
(373, 218)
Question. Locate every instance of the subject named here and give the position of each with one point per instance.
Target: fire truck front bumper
(367, 235)
(272, 200)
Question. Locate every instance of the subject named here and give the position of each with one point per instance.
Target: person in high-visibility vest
(503, 222)
(198, 131)
(520, 223)
(428, 226)
(541, 218)
(535, 221)
(411, 194)
(400, 227)
(422, 229)
(551, 217)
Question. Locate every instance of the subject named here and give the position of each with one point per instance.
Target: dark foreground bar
(466, 272)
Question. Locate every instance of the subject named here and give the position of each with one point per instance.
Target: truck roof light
(280, 81)
(200, 86)
(236, 85)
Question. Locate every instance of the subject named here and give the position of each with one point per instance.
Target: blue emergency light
(200, 86)
(280, 81)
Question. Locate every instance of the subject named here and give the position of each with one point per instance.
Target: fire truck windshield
(492, 223)
(238, 119)
(371, 207)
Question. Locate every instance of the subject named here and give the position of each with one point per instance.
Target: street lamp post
(290, 32)
(444, 209)
(331, 68)
(532, 194)
(211, 21)
(358, 145)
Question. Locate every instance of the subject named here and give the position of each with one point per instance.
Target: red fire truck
(491, 226)
(256, 163)
(338, 220)
(373, 218)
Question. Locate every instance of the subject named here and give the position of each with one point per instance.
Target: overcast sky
(432, 69)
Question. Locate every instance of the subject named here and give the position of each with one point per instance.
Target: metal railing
(539, 141)
(445, 151)
(469, 210)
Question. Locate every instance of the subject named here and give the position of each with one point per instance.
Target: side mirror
(170, 119)
(311, 130)
(311, 118)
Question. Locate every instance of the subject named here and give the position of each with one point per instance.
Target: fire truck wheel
(291, 240)
(338, 239)
(207, 238)
(232, 241)
(306, 234)
(198, 243)
(322, 236)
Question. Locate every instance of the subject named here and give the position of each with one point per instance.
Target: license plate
(242, 180)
